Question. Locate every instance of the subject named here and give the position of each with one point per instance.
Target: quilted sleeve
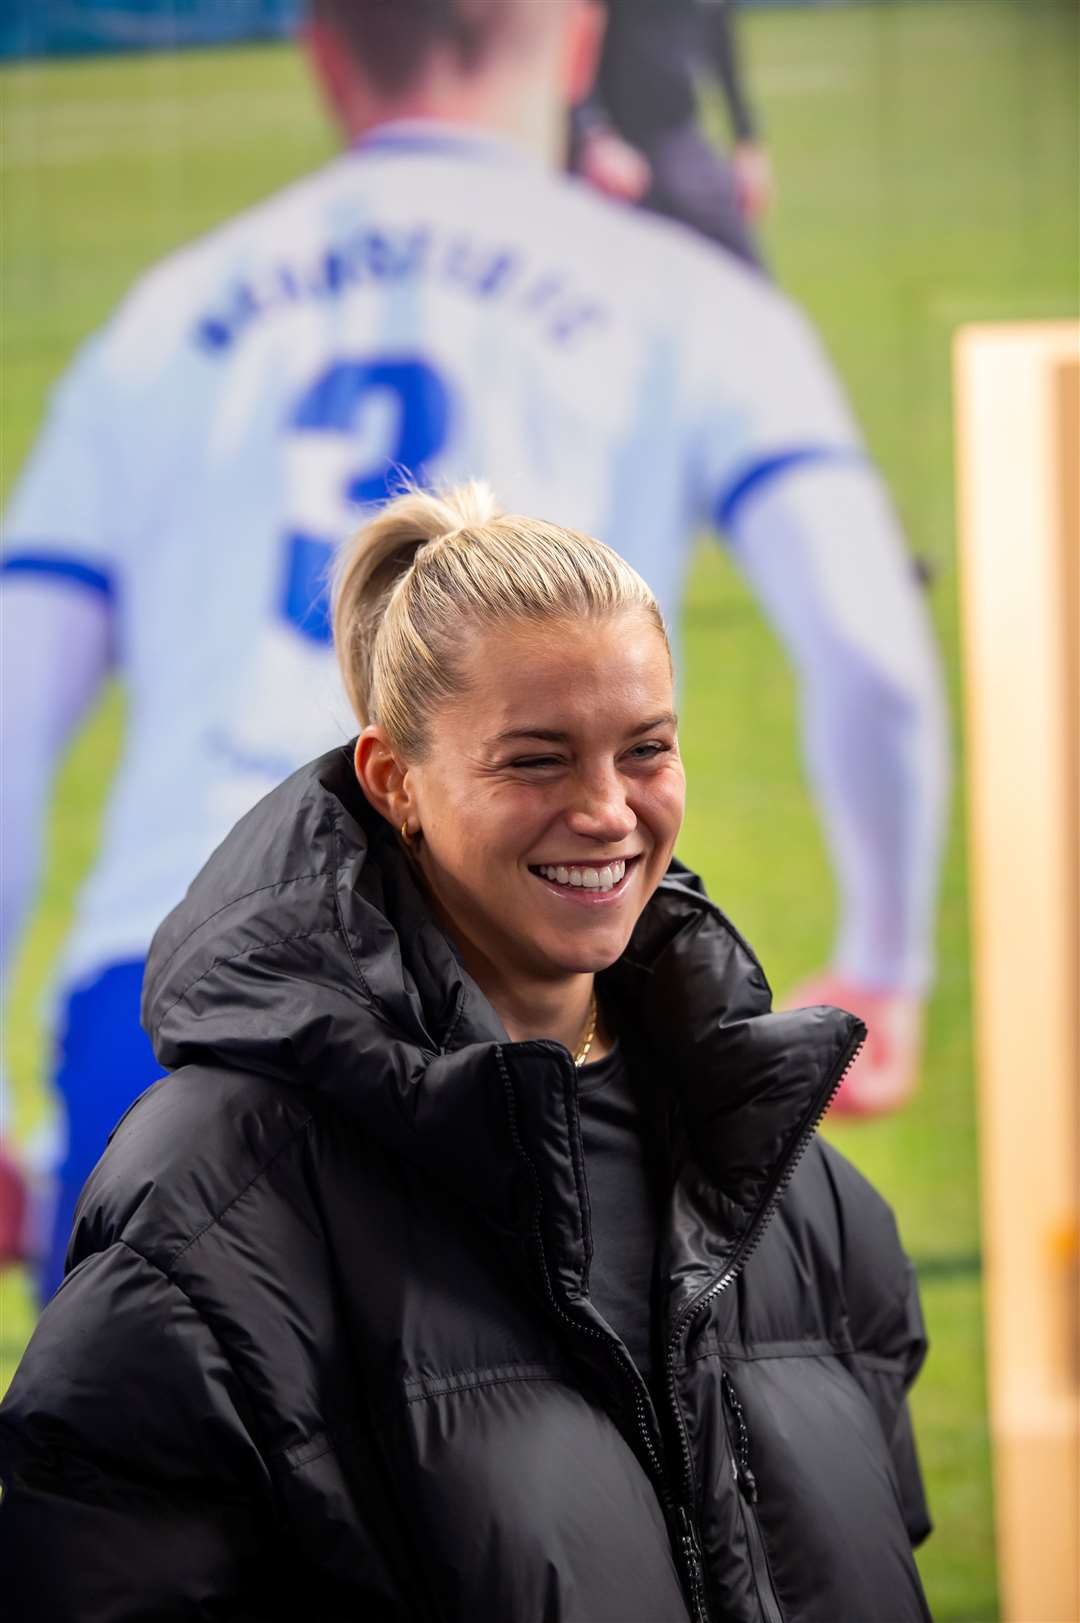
(131, 1487)
(886, 1323)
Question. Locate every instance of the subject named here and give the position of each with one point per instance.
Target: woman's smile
(601, 881)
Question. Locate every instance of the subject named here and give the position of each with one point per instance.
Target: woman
(469, 1264)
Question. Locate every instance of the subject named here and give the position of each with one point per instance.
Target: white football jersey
(432, 301)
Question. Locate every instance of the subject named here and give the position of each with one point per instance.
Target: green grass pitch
(927, 169)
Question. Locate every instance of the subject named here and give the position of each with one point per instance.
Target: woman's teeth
(605, 878)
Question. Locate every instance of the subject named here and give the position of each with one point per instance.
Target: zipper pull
(688, 1536)
(693, 1562)
(740, 1463)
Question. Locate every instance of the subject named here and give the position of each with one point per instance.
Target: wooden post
(1018, 478)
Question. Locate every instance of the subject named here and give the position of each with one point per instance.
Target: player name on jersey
(374, 255)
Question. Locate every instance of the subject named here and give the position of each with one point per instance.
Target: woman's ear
(383, 776)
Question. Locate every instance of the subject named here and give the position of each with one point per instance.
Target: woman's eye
(640, 753)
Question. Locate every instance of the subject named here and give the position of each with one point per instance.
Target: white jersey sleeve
(786, 408)
(65, 520)
(60, 570)
(823, 551)
(784, 476)
(55, 643)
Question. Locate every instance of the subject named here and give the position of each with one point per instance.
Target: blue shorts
(103, 1062)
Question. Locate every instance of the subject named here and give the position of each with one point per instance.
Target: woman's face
(552, 795)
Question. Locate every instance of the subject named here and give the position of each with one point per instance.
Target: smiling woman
(541, 863)
(408, 1293)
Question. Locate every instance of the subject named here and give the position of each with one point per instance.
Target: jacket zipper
(680, 1521)
(626, 1368)
(689, 1560)
(741, 1257)
(681, 1515)
(688, 1546)
(747, 1485)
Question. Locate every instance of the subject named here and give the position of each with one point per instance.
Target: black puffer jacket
(326, 1350)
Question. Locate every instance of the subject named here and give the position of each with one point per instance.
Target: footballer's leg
(826, 558)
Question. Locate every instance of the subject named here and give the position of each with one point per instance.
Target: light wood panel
(1017, 399)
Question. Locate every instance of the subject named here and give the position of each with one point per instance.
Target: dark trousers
(693, 183)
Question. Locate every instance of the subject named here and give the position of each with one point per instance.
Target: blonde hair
(432, 568)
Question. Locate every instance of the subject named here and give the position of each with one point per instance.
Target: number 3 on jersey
(359, 424)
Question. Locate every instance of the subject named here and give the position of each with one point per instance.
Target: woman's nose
(601, 811)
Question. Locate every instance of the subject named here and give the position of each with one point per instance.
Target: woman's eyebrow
(667, 718)
(548, 734)
(552, 735)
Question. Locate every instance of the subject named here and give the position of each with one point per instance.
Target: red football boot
(886, 1073)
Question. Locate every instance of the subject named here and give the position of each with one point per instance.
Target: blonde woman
(476, 1261)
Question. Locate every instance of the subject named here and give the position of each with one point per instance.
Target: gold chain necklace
(589, 1033)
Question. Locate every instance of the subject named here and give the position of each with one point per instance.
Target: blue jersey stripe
(60, 565)
(769, 468)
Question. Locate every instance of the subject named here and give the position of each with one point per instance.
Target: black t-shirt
(621, 1170)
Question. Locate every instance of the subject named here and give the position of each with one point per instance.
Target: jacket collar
(305, 951)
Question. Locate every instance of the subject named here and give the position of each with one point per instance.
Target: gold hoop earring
(405, 833)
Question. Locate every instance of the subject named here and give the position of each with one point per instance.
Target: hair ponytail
(430, 567)
(377, 560)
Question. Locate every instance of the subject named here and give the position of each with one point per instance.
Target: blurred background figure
(638, 136)
(437, 300)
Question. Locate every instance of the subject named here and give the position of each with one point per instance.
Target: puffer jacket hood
(326, 1345)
